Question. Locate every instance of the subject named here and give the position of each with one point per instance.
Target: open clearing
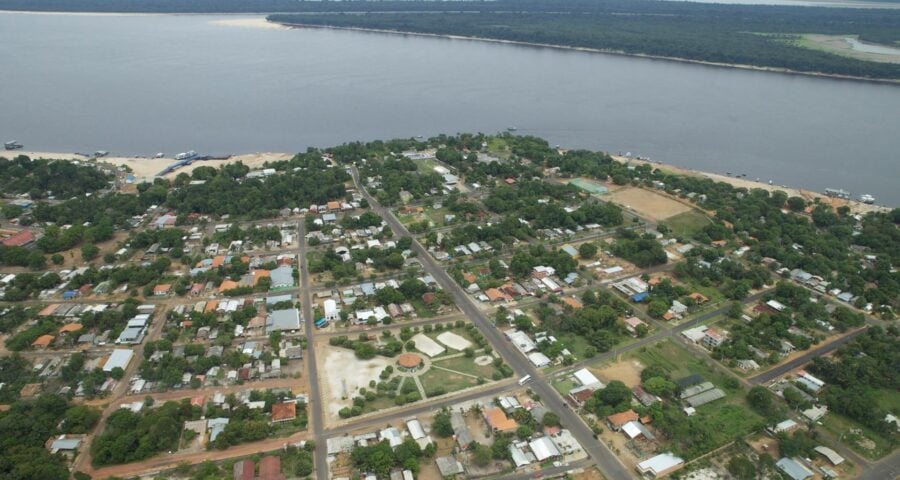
(453, 341)
(351, 374)
(687, 224)
(843, 45)
(626, 371)
(647, 203)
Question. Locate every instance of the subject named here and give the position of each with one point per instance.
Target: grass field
(686, 224)
(842, 427)
(467, 365)
(450, 381)
(679, 362)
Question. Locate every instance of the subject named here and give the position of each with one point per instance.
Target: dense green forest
(40, 178)
(27, 425)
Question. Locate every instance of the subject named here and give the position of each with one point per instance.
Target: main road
(607, 462)
(315, 398)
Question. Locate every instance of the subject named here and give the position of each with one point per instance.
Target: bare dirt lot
(342, 374)
(647, 203)
(627, 372)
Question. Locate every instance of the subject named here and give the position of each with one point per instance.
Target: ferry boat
(12, 145)
(186, 155)
(837, 193)
(866, 198)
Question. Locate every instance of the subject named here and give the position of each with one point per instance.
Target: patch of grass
(686, 224)
(497, 147)
(679, 362)
(564, 384)
(436, 379)
(842, 428)
(467, 365)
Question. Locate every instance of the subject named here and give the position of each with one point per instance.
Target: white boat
(866, 198)
(186, 155)
(13, 145)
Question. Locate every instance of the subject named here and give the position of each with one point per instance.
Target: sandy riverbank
(257, 22)
(147, 168)
(856, 207)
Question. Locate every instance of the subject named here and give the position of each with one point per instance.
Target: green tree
(587, 250)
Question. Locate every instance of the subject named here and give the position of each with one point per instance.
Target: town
(470, 306)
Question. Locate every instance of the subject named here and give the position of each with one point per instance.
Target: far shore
(785, 71)
(146, 168)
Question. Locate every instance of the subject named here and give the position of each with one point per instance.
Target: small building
(793, 469)
(43, 341)
(660, 465)
(64, 444)
(120, 358)
(496, 418)
(332, 314)
(632, 323)
(284, 412)
(448, 466)
(618, 420)
(162, 290)
(830, 454)
(543, 449)
(461, 430)
(712, 338)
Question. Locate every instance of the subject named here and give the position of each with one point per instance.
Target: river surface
(137, 85)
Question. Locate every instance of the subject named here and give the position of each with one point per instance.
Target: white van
(525, 379)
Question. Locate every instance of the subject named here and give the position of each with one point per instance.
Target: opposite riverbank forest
(757, 36)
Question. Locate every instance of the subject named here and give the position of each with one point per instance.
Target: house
(448, 466)
(644, 397)
(43, 341)
(698, 298)
(461, 430)
(65, 444)
(793, 469)
(616, 421)
(283, 412)
(815, 413)
(270, 468)
(332, 314)
(496, 418)
(162, 290)
(495, 295)
(635, 429)
(216, 426)
(712, 338)
(543, 449)
(632, 323)
(19, 239)
(660, 465)
(579, 395)
(587, 379)
(785, 426)
(569, 250)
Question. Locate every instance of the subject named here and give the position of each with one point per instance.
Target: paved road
(608, 463)
(886, 469)
(780, 370)
(315, 398)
